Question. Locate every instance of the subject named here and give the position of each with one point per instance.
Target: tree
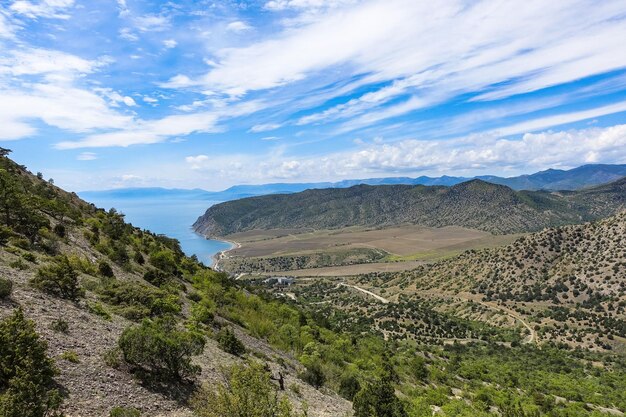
(26, 371)
(378, 398)
(247, 392)
(159, 349)
(58, 278)
(229, 343)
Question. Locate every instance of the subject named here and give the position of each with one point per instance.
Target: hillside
(572, 274)
(474, 204)
(125, 319)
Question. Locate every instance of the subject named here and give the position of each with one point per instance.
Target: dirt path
(533, 338)
(363, 290)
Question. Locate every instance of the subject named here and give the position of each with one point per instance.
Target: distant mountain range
(475, 204)
(551, 179)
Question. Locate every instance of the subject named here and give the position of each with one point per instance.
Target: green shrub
(99, 310)
(59, 230)
(138, 257)
(58, 278)
(156, 277)
(158, 348)
(248, 392)
(229, 343)
(105, 270)
(60, 326)
(349, 385)
(70, 356)
(30, 257)
(124, 412)
(5, 234)
(26, 371)
(314, 375)
(113, 357)
(136, 301)
(18, 264)
(165, 261)
(6, 287)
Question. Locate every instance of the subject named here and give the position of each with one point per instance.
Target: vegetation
(159, 349)
(229, 343)
(124, 412)
(58, 278)
(474, 204)
(6, 287)
(26, 372)
(248, 392)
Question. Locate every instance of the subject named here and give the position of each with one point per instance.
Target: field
(351, 250)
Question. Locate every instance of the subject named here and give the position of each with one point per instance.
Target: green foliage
(58, 278)
(99, 310)
(70, 356)
(314, 374)
(229, 343)
(26, 372)
(378, 398)
(349, 386)
(60, 326)
(105, 270)
(136, 301)
(248, 392)
(165, 261)
(124, 412)
(158, 349)
(6, 287)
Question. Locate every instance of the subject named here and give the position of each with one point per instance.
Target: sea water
(172, 217)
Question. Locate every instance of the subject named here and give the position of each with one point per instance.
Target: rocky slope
(146, 277)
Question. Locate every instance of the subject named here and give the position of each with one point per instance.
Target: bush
(124, 412)
(105, 270)
(26, 371)
(159, 349)
(59, 230)
(349, 386)
(229, 343)
(314, 375)
(6, 287)
(60, 326)
(70, 356)
(247, 392)
(58, 278)
(165, 261)
(99, 310)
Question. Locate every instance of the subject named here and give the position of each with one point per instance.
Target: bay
(172, 217)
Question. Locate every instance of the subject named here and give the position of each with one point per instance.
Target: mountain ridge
(474, 204)
(550, 179)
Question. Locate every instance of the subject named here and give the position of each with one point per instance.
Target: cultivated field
(403, 247)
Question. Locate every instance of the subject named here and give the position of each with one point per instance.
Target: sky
(102, 94)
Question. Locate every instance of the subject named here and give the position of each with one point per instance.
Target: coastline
(222, 254)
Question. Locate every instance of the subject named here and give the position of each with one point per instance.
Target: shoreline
(223, 253)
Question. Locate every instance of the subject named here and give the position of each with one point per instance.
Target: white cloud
(238, 26)
(280, 5)
(470, 155)
(151, 23)
(170, 43)
(55, 9)
(127, 34)
(264, 127)
(139, 131)
(87, 156)
(197, 162)
(44, 61)
(426, 52)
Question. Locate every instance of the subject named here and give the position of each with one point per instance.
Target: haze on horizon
(100, 94)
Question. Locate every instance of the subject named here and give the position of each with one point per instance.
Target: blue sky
(102, 94)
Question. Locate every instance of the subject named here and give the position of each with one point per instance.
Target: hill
(103, 318)
(474, 204)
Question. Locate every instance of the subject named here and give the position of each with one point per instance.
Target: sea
(171, 217)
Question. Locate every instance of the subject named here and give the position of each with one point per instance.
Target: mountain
(474, 204)
(552, 179)
(556, 179)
